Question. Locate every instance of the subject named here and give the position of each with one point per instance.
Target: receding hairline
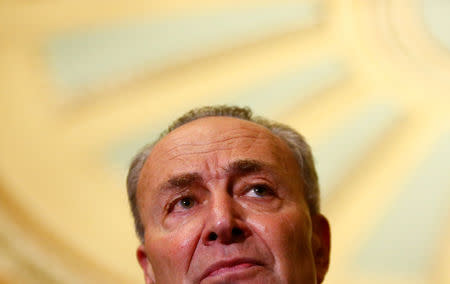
(193, 125)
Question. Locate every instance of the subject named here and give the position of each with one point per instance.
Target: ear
(321, 244)
(145, 265)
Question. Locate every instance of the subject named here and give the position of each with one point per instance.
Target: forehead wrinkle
(246, 137)
(219, 145)
(180, 155)
(200, 132)
(277, 147)
(227, 140)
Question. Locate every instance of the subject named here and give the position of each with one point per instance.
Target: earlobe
(321, 245)
(145, 265)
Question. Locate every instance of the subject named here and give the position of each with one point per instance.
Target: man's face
(221, 201)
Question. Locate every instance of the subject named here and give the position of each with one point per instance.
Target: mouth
(230, 267)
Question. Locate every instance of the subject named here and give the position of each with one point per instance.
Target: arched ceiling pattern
(84, 84)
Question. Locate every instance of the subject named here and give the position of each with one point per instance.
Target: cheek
(171, 251)
(286, 234)
(297, 231)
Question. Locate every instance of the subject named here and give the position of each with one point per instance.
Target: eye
(186, 202)
(259, 190)
(182, 204)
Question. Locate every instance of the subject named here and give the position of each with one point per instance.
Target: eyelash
(174, 203)
(269, 190)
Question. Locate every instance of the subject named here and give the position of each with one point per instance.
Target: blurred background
(84, 84)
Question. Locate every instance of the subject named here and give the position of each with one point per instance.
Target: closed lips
(228, 266)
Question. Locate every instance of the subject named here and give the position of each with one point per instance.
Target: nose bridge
(223, 223)
(222, 209)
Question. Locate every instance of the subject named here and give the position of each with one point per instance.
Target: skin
(203, 201)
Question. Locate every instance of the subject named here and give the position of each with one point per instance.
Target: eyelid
(171, 205)
(267, 187)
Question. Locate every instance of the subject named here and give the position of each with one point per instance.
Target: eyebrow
(182, 180)
(244, 167)
(234, 169)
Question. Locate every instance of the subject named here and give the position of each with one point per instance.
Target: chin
(251, 275)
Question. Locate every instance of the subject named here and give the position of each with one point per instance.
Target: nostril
(236, 232)
(212, 236)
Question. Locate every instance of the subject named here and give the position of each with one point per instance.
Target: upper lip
(228, 263)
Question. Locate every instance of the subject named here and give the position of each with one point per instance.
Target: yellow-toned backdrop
(84, 84)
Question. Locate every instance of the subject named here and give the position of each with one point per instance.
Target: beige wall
(84, 84)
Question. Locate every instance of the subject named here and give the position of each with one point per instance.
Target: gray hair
(294, 140)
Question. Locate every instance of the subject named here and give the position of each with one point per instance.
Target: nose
(224, 223)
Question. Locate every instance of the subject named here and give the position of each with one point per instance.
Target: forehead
(210, 144)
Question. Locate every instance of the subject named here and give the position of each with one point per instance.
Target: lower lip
(231, 269)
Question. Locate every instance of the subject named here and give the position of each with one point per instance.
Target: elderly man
(224, 197)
